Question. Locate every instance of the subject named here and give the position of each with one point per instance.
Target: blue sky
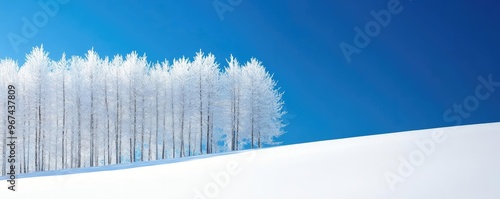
(424, 61)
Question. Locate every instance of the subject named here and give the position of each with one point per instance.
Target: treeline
(92, 111)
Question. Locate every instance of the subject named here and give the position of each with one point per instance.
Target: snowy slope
(455, 162)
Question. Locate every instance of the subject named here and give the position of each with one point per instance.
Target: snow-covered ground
(456, 162)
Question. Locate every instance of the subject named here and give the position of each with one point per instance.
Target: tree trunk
(63, 150)
(117, 123)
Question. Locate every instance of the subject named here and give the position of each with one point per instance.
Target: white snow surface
(454, 162)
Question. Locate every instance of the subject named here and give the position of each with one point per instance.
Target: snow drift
(453, 162)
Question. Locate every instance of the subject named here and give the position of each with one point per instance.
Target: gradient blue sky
(428, 58)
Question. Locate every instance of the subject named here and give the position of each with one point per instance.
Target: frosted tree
(212, 91)
(117, 72)
(233, 83)
(105, 73)
(155, 75)
(133, 73)
(92, 63)
(182, 97)
(199, 82)
(84, 74)
(164, 90)
(262, 104)
(53, 113)
(206, 76)
(27, 117)
(36, 67)
(60, 84)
